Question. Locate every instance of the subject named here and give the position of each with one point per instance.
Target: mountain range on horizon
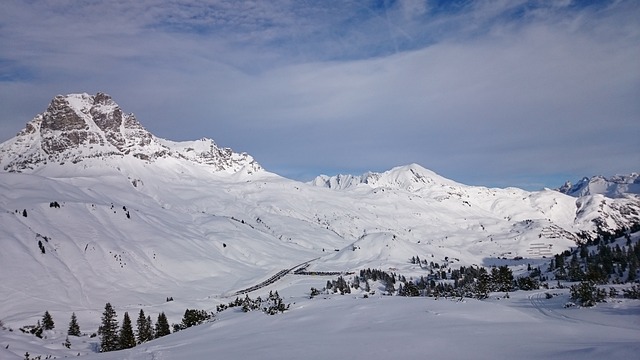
(97, 127)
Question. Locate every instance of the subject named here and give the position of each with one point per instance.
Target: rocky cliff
(77, 127)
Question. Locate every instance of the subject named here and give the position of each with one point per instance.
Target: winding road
(279, 275)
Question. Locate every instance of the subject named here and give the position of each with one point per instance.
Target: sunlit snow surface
(524, 326)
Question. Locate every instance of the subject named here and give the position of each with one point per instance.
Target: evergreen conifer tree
(162, 326)
(482, 284)
(151, 334)
(127, 338)
(108, 330)
(74, 328)
(144, 330)
(47, 321)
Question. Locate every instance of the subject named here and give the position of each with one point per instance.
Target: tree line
(473, 282)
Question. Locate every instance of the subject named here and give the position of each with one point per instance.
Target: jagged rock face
(80, 126)
(60, 116)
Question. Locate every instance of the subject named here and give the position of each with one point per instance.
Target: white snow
(524, 326)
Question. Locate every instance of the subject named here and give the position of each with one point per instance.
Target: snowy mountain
(78, 127)
(95, 209)
(614, 187)
(411, 178)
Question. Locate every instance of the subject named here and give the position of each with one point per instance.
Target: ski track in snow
(539, 302)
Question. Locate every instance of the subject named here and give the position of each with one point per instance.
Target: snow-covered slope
(141, 219)
(614, 187)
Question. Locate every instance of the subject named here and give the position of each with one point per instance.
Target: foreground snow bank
(525, 326)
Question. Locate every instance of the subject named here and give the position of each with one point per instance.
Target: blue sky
(495, 93)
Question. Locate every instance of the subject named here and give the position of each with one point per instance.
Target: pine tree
(151, 334)
(586, 293)
(162, 326)
(144, 330)
(74, 328)
(127, 339)
(482, 284)
(108, 330)
(367, 287)
(47, 321)
(504, 282)
(633, 268)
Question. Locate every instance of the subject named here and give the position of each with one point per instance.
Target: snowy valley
(94, 209)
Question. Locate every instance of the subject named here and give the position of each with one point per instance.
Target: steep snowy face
(77, 127)
(614, 187)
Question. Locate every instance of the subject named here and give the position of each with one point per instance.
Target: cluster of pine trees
(605, 259)
(117, 337)
(601, 261)
(472, 282)
(596, 261)
(114, 337)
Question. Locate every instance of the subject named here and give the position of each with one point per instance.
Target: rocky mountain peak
(77, 127)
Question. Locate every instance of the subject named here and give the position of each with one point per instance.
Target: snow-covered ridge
(78, 127)
(409, 177)
(613, 187)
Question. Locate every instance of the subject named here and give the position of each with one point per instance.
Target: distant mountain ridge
(613, 187)
(77, 127)
(409, 177)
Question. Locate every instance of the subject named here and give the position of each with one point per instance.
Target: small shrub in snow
(274, 304)
(314, 292)
(632, 292)
(271, 305)
(587, 293)
(193, 317)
